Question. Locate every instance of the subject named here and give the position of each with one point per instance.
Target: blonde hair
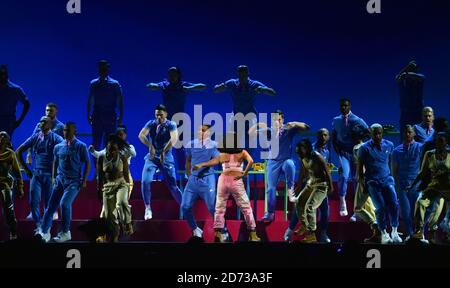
(427, 109)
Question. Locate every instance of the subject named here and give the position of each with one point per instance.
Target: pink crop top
(232, 165)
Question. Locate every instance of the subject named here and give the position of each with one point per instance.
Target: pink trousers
(228, 185)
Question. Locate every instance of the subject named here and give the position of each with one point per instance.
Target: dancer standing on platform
(70, 156)
(406, 161)
(56, 126)
(243, 92)
(202, 182)
(42, 145)
(440, 125)
(163, 135)
(343, 146)
(321, 147)
(51, 111)
(375, 158)
(105, 96)
(410, 83)
(424, 129)
(231, 182)
(280, 161)
(10, 95)
(114, 182)
(174, 91)
(318, 185)
(8, 165)
(363, 206)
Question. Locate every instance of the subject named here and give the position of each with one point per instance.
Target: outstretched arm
(211, 163)
(96, 154)
(153, 86)
(299, 125)
(195, 87)
(266, 90)
(253, 131)
(219, 88)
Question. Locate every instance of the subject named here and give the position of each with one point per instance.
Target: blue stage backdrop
(311, 52)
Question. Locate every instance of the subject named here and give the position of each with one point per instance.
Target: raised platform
(166, 226)
(195, 257)
(179, 231)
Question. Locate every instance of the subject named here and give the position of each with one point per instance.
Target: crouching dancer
(318, 185)
(114, 181)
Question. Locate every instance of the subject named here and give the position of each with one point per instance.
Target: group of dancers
(386, 177)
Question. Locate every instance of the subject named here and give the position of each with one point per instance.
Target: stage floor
(30, 253)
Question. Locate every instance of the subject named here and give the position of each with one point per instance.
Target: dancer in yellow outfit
(129, 152)
(318, 186)
(8, 163)
(113, 178)
(436, 165)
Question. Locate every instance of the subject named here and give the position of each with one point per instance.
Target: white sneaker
(37, 231)
(45, 236)
(55, 216)
(197, 233)
(148, 214)
(30, 216)
(226, 236)
(288, 235)
(343, 210)
(385, 238)
(62, 237)
(396, 238)
(291, 196)
(353, 218)
(424, 241)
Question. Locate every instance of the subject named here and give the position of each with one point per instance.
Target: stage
(238, 256)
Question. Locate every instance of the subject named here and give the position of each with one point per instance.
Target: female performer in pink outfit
(230, 182)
